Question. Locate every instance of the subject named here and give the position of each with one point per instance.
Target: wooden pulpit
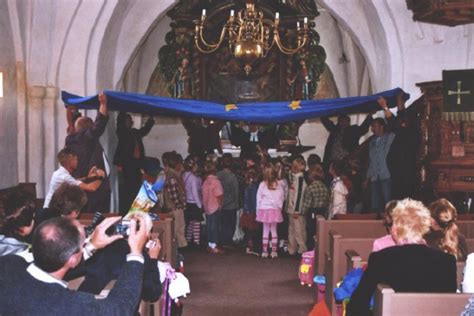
(447, 144)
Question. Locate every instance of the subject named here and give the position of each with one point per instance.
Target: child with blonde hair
(270, 198)
(294, 207)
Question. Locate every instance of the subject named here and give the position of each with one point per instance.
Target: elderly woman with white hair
(410, 266)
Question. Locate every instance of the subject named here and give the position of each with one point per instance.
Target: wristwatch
(90, 249)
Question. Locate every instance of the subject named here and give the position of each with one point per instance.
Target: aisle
(239, 284)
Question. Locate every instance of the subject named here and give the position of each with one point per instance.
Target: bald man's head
(55, 241)
(83, 123)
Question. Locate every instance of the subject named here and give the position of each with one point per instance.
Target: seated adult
(108, 263)
(409, 267)
(16, 224)
(68, 161)
(105, 256)
(68, 200)
(387, 240)
(57, 248)
(444, 233)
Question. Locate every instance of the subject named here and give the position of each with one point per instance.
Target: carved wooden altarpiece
(219, 76)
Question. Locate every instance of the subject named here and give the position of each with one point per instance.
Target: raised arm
(364, 127)
(102, 118)
(328, 124)
(70, 109)
(103, 104)
(142, 132)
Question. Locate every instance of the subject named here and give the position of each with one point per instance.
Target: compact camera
(121, 228)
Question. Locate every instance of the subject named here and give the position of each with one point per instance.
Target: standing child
(294, 208)
(174, 196)
(212, 197)
(270, 198)
(315, 200)
(247, 221)
(230, 203)
(338, 201)
(193, 211)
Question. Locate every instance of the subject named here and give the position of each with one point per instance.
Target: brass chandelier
(250, 35)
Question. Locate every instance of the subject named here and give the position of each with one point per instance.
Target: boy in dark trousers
(231, 199)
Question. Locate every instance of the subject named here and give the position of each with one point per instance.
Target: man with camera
(58, 248)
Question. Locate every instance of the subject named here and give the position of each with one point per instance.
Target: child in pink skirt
(270, 198)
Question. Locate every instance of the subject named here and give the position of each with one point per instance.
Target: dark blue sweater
(21, 294)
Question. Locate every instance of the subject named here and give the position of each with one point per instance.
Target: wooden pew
(371, 216)
(364, 229)
(346, 228)
(336, 261)
(390, 303)
(467, 229)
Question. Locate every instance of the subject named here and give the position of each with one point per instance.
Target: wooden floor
(240, 284)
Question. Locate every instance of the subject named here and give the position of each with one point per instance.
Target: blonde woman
(411, 266)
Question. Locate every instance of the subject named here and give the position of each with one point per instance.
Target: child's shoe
(264, 254)
(274, 255)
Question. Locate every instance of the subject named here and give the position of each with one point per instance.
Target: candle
(297, 25)
(277, 15)
(203, 12)
(305, 20)
(232, 13)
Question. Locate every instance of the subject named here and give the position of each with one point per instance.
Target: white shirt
(468, 279)
(338, 198)
(43, 276)
(59, 177)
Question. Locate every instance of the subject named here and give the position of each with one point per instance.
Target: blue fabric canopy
(257, 112)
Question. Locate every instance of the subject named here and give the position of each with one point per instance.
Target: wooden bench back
(346, 228)
(336, 261)
(467, 229)
(390, 303)
(365, 229)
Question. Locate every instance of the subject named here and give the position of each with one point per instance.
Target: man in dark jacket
(343, 138)
(57, 248)
(83, 139)
(129, 158)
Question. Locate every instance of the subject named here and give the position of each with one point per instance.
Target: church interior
(308, 52)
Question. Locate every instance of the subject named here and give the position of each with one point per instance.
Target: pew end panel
(346, 228)
(336, 261)
(353, 260)
(390, 303)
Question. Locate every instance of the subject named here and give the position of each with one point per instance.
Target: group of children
(279, 198)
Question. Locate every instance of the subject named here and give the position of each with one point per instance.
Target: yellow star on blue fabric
(229, 107)
(294, 105)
